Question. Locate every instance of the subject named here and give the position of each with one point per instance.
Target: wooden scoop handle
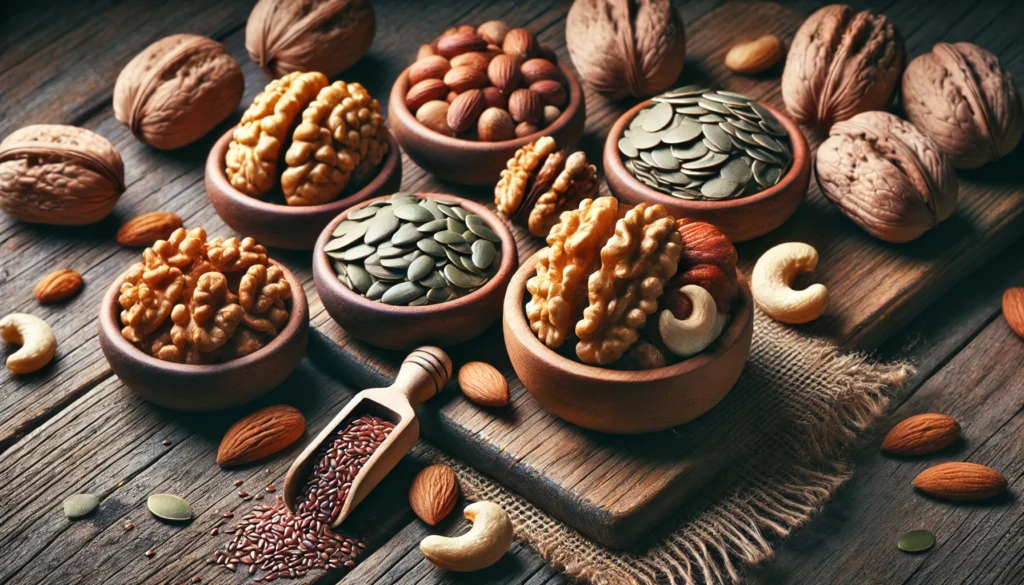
(423, 373)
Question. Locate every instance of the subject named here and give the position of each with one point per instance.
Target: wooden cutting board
(617, 489)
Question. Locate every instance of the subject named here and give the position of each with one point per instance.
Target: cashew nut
(770, 284)
(35, 338)
(686, 337)
(482, 546)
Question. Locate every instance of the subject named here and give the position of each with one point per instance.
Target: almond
(431, 67)
(1013, 309)
(423, 92)
(534, 70)
(921, 434)
(451, 96)
(465, 110)
(495, 125)
(524, 129)
(465, 78)
(483, 384)
(434, 115)
(459, 42)
(434, 493)
(519, 43)
(503, 73)
(960, 481)
(493, 98)
(551, 113)
(493, 31)
(424, 52)
(525, 106)
(147, 228)
(57, 286)
(260, 435)
(474, 59)
(551, 92)
(755, 56)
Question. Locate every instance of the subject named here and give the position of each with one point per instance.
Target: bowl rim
(217, 174)
(321, 262)
(515, 319)
(614, 165)
(400, 111)
(110, 325)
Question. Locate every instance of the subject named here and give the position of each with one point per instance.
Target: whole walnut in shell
(841, 63)
(886, 176)
(178, 89)
(961, 97)
(329, 36)
(60, 175)
(626, 47)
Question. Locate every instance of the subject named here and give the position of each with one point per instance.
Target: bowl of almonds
(475, 95)
(410, 269)
(714, 156)
(304, 150)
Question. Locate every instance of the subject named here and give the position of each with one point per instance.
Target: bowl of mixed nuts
(714, 156)
(475, 95)
(204, 323)
(629, 321)
(410, 269)
(304, 150)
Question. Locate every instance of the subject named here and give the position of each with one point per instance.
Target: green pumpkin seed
(431, 206)
(433, 226)
(363, 213)
(439, 294)
(483, 253)
(346, 239)
(383, 273)
(449, 238)
(916, 541)
(461, 247)
(413, 212)
(434, 279)
(418, 302)
(483, 231)
(430, 246)
(448, 211)
(406, 235)
(381, 226)
(395, 263)
(80, 505)
(357, 253)
(375, 292)
(169, 507)
(359, 277)
(387, 250)
(419, 268)
(402, 293)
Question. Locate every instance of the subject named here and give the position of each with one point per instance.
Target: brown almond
(551, 92)
(460, 42)
(534, 70)
(551, 113)
(57, 286)
(423, 92)
(474, 59)
(493, 98)
(483, 384)
(519, 43)
(495, 125)
(921, 434)
(463, 79)
(434, 493)
(755, 56)
(432, 67)
(1013, 309)
(493, 31)
(524, 129)
(525, 106)
(260, 434)
(424, 52)
(503, 73)
(961, 481)
(434, 115)
(465, 110)
(147, 228)
(451, 96)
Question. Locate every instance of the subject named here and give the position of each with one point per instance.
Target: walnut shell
(60, 175)
(961, 97)
(283, 36)
(178, 89)
(626, 47)
(840, 64)
(886, 176)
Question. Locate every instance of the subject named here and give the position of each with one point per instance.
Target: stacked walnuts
(608, 267)
(339, 139)
(491, 83)
(198, 301)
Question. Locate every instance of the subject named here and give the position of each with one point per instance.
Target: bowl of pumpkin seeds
(711, 155)
(410, 269)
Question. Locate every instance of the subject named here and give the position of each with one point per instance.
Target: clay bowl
(205, 387)
(470, 162)
(625, 402)
(286, 226)
(741, 219)
(401, 328)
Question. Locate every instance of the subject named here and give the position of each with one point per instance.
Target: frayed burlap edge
(827, 397)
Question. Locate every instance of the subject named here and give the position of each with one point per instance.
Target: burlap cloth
(824, 398)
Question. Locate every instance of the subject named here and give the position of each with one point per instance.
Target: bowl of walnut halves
(303, 152)
(204, 323)
(630, 320)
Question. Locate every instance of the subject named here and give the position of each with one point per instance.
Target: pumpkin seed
(433, 226)
(80, 505)
(434, 279)
(439, 294)
(916, 541)
(169, 507)
(377, 290)
(407, 234)
(430, 246)
(359, 277)
(449, 238)
(413, 212)
(420, 268)
(402, 293)
(363, 212)
(483, 253)
(357, 253)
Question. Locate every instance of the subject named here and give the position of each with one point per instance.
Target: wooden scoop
(423, 373)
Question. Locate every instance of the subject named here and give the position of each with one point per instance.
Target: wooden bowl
(741, 219)
(205, 387)
(625, 402)
(278, 225)
(401, 328)
(471, 162)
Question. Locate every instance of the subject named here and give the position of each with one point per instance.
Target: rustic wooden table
(73, 427)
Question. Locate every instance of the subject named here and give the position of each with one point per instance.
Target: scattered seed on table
(916, 541)
(271, 488)
(80, 506)
(238, 482)
(128, 526)
(149, 554)
(167, 442)
(215, 532)
(169, 507)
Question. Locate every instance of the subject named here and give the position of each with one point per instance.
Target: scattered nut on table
(755, 56)
(771, 284)
(38, 344)
(434, 493)
(57, 286)
(485, 543)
